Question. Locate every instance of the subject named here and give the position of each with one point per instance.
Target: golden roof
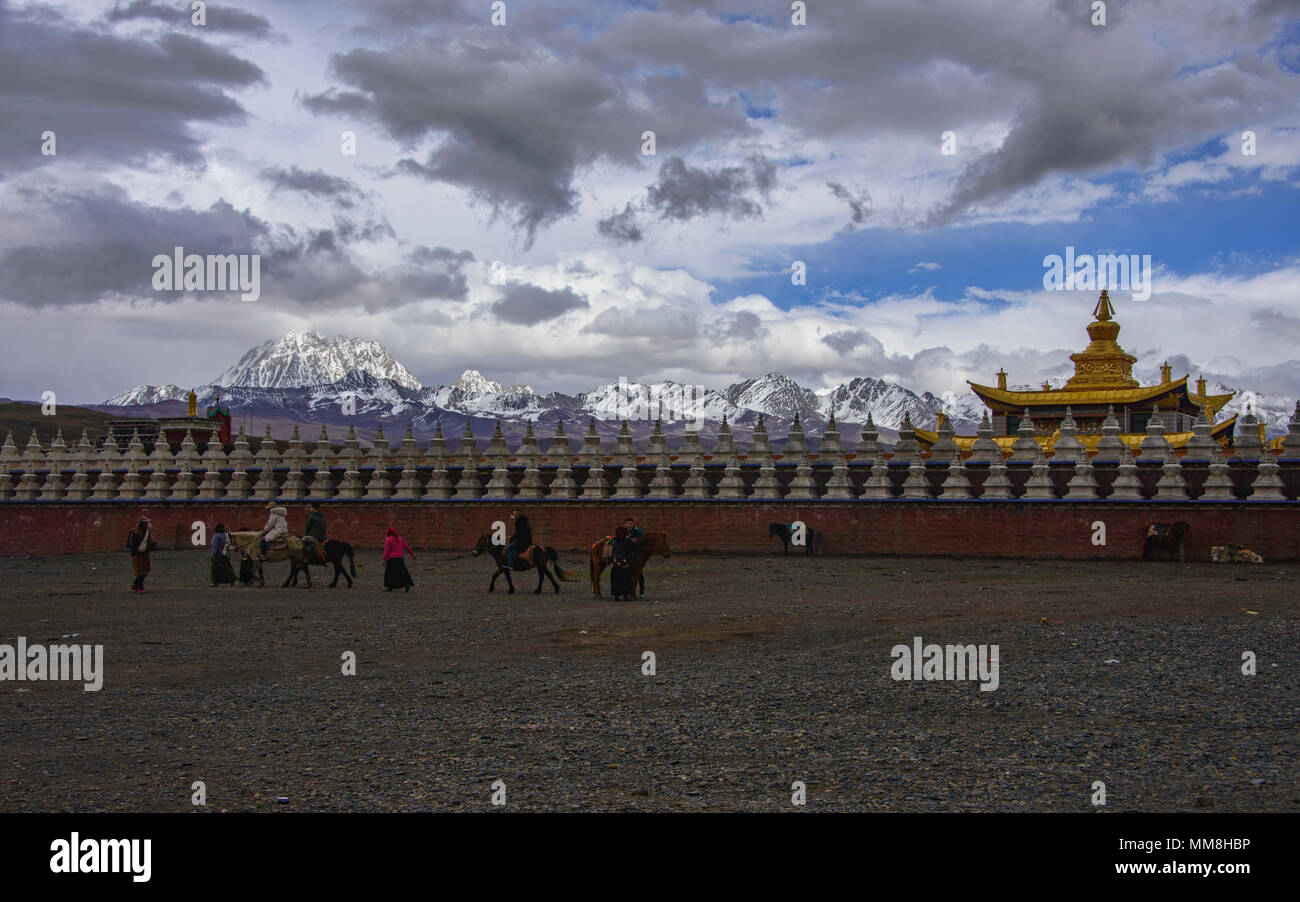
(1067, 395)
(1089, 440)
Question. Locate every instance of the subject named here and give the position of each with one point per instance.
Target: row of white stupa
(39, 474)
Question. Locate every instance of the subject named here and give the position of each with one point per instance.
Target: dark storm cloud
(527, 305)
(512, 122)
(1080, 99)
(217, 18)
(434, 272)
(109, 99)
(400, 15)
(663, 323)
(859, 204)
(742, 326)
(622, 228)
(102, 245)
(683, 192)
(86, 247)
(846, 340)
(315, 182)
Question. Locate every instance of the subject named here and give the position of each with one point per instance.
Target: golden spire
(1103, 364)
(1104, 310)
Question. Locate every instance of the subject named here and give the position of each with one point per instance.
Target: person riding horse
(316, 523)
(277, 527)
(520, 541)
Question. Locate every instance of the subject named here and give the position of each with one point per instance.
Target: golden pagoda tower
(1102, 382)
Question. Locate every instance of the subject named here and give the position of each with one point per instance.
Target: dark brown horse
(813, 543)
(334, 550)
(532, 556)
(1170, 538)
(647, 545)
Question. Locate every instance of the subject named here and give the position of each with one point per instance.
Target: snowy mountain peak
(149, 394)
(472, 384)
(303, 359)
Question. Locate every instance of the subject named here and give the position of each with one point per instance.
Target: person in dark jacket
(140, 543)
(636, 532)
(620, 565)
(222, 572)
(316, 523)
(522, 538)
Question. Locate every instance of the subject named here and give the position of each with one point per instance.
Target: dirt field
(770, 670)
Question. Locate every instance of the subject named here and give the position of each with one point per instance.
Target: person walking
(222, 571)
(522, 538)
(140, 542)
(396, 576)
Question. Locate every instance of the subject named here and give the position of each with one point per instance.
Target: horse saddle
(282, 542)
(312, 550)
(1158, 530)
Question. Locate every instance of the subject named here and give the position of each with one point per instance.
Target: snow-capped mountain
(886, 402)
(1274, 410)
(308, 358)
(149, 394)
(673, 401)
(305, 378)
(775, 395)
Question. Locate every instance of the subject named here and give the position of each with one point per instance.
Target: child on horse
(277, 526)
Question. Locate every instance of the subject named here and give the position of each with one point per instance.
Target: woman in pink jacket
(396, 576)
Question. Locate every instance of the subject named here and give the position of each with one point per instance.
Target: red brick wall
(978, 528)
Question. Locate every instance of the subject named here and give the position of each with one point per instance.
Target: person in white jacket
(277, 525)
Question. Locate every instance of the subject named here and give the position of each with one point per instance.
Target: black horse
(534, 556)
(1170, 538)
(335, 551)
(813, 543)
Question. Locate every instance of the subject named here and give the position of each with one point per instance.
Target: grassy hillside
(22, 418)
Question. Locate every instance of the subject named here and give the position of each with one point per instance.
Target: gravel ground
(769, 670)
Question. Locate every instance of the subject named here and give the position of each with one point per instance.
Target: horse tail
(554, 557)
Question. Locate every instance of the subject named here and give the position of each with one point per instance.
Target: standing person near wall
(140, 542)
(222, 572)
(396, 576)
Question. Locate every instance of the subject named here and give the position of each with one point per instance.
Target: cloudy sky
(500, 211)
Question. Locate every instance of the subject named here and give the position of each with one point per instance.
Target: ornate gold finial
(1104, 310)
(1166, 372)
(1103, 364)
(193, 402)
(1002, 378)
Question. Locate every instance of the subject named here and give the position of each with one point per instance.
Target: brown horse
(290, 548)
(1166, 537)
(646, 545)
(532, 556)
